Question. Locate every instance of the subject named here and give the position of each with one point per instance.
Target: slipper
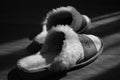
(67, 16)
(60, 16)
(63, 50)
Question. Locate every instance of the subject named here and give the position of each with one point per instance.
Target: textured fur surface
(72, 49)
(32, 63)
(75, 24)
(77, 17)
(40, 38)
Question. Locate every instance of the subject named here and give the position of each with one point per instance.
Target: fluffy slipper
(62, 50)
(66, 16)
(60, 16)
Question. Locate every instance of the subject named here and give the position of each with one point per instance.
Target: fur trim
(77, 17)
(57, 10)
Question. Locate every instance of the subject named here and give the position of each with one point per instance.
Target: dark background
(20, 18)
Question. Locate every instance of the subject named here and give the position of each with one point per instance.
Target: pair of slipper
(61, 46)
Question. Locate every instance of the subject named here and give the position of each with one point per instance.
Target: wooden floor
(106, 67)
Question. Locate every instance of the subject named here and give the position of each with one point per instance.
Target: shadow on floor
(17, 74)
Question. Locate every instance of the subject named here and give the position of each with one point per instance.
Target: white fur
(40, 38)
(77, 17)
(57, 10)
(68, 8)
(72, 49)
(32, 63)
(71, 52)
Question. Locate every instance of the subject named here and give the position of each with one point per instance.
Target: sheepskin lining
(62, 17)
